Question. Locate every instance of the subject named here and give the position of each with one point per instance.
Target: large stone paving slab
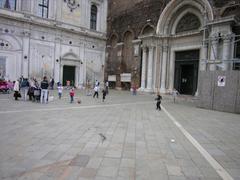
(65, 141)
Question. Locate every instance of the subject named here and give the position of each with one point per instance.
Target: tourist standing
(44, 90)
(134, 90)
(24, 87)
(71, 93)
(16, 90)
(107, 87)
(52, 83)
(60, 90)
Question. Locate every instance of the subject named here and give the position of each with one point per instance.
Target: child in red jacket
(71, 93)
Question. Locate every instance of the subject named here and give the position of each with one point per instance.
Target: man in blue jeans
(44, 90)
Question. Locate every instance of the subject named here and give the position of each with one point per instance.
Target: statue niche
(188, 22)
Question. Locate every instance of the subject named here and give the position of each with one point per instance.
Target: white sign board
(112, 78)
(126, 77)
(221, 81)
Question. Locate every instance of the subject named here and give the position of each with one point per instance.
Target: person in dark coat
(104, 93)
(158, 104)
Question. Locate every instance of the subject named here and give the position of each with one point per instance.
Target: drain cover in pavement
(80, 160)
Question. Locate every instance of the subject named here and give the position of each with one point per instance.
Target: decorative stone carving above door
(72, 4)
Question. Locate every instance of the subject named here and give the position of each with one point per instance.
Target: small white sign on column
(221, 81)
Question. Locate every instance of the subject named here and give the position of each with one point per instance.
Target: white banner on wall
(112, 78)
(126, 77)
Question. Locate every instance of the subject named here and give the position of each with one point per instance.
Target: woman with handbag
(16, 90)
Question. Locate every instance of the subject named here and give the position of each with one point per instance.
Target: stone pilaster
(119, 67)
(26, 54)
(226, 51)
(150, 69)
(164, 69)
(136, 64)
(214, 52)
(204, 57)
(57, 59)
(144, 59)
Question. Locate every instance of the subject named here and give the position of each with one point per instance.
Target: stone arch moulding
(15, 43)
(148, 25)
(170, 10)
(226, 11)
(70, 56)
(113, 35)
(125, 32)
(186, 11)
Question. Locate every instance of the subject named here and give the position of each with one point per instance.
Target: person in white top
(107, 86)
(96, 88)
(16, 90)
(60, 90)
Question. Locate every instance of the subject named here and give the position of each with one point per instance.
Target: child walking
(60, 90)
(158, 104)
(71, 93)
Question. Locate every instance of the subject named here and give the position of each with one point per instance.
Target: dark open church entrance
(186, 72)
(68, 75)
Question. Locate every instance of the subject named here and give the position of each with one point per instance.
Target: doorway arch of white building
(71, 62)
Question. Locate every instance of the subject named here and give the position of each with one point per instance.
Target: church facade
(63, 39)
(160, 46)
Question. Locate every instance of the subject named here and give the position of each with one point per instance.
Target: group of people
(104, 91)
(40, 92)
(30, 87)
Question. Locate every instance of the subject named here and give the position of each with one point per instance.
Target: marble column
(171, 71)
(26, 58)
(204, 57)
(77, 73)
(214, 52)
(150, 69)
(164, 69)
(57, 59)
(226, 51)
(143, 77)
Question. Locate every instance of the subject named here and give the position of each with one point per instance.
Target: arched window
(8, 4)
(93, 20)
(148, 30)
(43, 8)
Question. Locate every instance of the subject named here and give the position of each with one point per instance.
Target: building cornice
(228, 19)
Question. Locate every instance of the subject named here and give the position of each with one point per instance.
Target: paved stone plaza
(120, 139)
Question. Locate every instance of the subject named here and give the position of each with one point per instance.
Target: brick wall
(134, 15)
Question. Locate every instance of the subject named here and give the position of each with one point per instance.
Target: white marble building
(64, 39)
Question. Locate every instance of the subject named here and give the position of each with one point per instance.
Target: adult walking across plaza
(96, 89)
(104, 93)
(158, 104)
(44, 90)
